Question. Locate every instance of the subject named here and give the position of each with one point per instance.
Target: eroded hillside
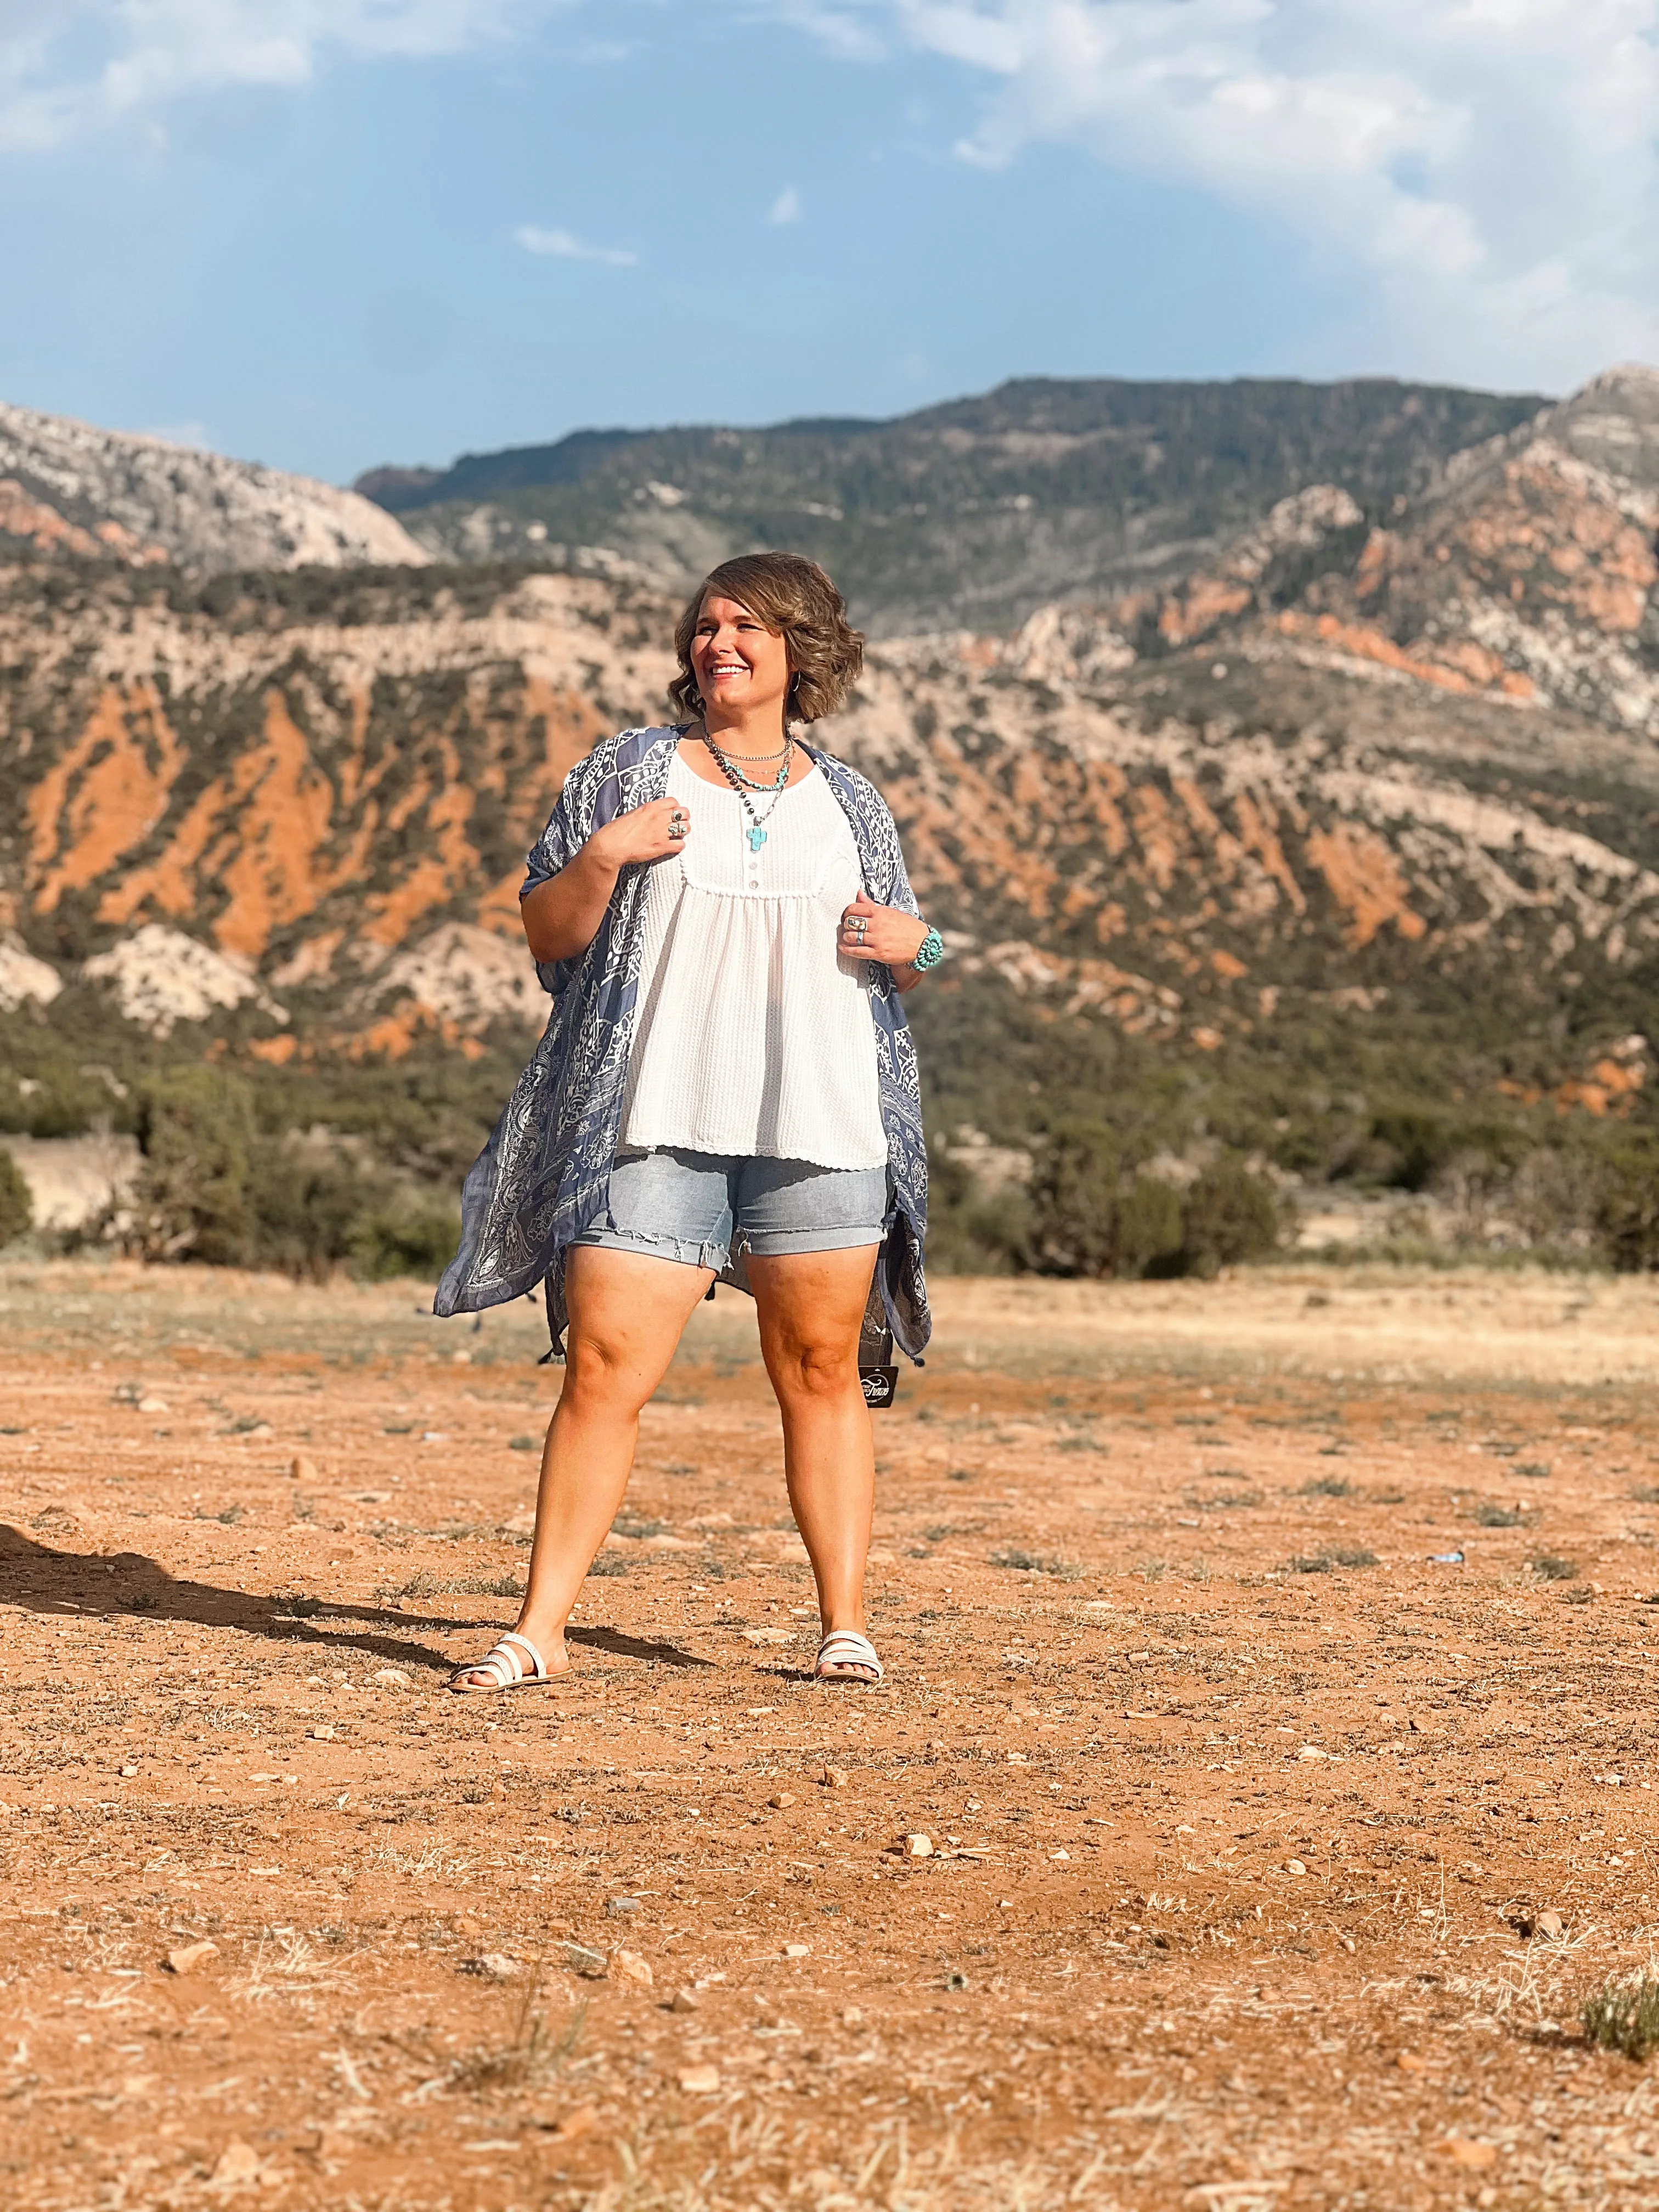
(1350, 823)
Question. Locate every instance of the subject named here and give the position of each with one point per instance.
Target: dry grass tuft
(531, 2055)
(1623, 2016)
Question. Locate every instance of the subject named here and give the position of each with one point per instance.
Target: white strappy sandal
(845, 1647)
(505, 1669)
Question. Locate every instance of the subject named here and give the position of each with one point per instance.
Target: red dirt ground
(1236, 1846)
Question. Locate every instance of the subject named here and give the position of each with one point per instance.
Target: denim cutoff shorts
(699, 1208)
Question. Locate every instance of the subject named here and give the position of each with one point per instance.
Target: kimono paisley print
(544, 1174)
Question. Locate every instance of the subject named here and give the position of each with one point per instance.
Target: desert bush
(1074, 1200)
(1627, 1213)
(1555, 1195)
(1231, 1214)
(307, 1205)
(196, 1128)
(971, 1231)
(17, 1206)
(1148, 1228)
(1623, 2016)
(415, 1233)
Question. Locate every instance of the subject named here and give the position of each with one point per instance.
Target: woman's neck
(757, 733)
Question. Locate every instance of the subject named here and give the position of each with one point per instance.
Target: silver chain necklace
(756, 832)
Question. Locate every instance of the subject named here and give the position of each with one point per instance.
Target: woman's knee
(601, 1369)
(808, 1372)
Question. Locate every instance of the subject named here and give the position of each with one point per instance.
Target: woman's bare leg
(811, 1307)
(627, 1311)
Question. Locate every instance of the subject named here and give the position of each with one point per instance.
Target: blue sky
(330, 233)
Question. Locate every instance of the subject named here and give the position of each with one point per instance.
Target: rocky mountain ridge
(67, 488)
(1350, 825)
(975, 513)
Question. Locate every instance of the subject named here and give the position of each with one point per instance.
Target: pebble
(918, 1847)
(618, 1908)
(1294, 1866)
(683, 2001)
(239, 2164)
(189, 1956)
(152, 1405)
(1473, 2155)
(768, 1636)
(1550, 1924)
(836, 1777)
(582, 2122)
(797, 1950)
(852, 2017)
(393, 1678)
(1312, 1751)
(323, 1733)
(700, 2080)
(494, 1966)
(302, 1468)
(582, 1959)
(782, 1799)
(129, 1772)
(628, 1967)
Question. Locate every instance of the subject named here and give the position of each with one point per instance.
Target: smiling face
(742, 668)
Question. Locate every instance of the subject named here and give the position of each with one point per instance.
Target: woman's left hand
(869, 932)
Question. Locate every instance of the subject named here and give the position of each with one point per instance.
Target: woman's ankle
(548, 1638)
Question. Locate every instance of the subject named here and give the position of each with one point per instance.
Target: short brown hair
(797, 601)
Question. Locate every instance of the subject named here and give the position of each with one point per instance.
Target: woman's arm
(561, 916)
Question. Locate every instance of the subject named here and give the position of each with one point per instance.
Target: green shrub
(1627, 1215)
(16, 1207)
(196, 1130)
(308, 1205)
(1624, 2017)
(415, 1234)
(1232, 1214)
(970, 1232)
(1074, 1200)
(1149, 1228)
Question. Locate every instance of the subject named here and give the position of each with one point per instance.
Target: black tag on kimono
(878, 1375)
(878, 1385)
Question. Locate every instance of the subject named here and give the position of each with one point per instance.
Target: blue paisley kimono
(543, 1177)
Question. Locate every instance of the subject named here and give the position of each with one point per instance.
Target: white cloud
(846, 30)
(1490, 166)
(786, 206)
(67, 65)
(567, 247)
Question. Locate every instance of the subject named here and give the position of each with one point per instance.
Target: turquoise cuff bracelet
(929, 953)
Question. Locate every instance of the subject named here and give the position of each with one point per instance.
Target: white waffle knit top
(753, 1037)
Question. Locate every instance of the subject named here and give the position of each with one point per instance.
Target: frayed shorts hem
(759, 1244)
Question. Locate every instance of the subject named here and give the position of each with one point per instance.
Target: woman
(726, 1088)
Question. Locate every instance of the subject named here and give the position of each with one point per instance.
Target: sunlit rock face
(1356, 755)
(66, 488)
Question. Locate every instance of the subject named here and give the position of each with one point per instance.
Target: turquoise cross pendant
(755, 836)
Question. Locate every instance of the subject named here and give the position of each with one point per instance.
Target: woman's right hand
(561, 917)
(645, 833)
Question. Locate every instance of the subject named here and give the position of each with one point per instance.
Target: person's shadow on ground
(80, 1586)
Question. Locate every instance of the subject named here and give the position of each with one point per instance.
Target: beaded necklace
(756, 832)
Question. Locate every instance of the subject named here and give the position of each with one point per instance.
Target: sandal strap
(503, 1665)
(537, 1670)
(848, 1647)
